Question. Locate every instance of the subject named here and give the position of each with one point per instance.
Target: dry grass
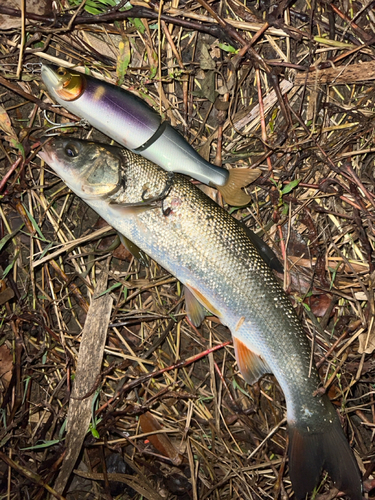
(226, 440)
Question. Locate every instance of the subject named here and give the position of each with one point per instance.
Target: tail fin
(310, 452)
(238, 178)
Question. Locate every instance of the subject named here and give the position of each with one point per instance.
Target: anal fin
(194, 309)
(251, 365)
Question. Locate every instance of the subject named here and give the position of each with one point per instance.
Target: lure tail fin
(328, 449)
(238, 178)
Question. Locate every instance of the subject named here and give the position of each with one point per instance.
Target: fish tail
(238, 178)
(310, 452)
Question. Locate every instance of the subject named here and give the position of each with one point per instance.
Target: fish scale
(205, 248)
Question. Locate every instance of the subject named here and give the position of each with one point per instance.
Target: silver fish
(204, 247)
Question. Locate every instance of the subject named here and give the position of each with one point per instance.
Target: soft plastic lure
(132, 123)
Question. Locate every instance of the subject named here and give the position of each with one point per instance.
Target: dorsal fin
(251, 365)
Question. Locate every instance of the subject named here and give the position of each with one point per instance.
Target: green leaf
(139, 26)
(289, 187)
(123, 60)
(153, 71)
(35, 225)
(27, 382)
(285, 209)
(8, 237)
(236, 386)
(113, 287)
(92, 10)
(16, 144)
(41, 446)
(233, 209)
(94, 432)
(9, 267)
(228, 48)
(62, 430)
(273, 119)
(46, 250)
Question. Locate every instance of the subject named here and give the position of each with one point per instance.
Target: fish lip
(44, 156)
(46, 153)
(47, 157)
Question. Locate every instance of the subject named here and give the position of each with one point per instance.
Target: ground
(286, 87)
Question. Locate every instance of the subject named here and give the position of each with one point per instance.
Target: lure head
(91, 170)
(68, 85)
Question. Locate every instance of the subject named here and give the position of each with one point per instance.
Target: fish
(203, 246)
(131, 122)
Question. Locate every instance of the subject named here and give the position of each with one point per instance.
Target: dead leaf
(6, 365)
(160, 441)
(6, 295)
(366, 342)
(205, 61)
(207, 89)
(5, 124)
(6, 127)
(318, 304)
(40, 7)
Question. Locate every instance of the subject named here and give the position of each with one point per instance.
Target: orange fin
(202, 299)
(194, 309)
(238, 178)
(251, 365)
(311, 450)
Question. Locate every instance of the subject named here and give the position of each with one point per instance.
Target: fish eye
(61, 71)
(71, 150)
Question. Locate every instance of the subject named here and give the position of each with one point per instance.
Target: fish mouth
(47, 153)
(51, 154)
(44, 156)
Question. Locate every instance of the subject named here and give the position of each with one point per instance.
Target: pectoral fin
(202, 299)
(135, 250)
(251, 365)
(194, 309)
(127, 209)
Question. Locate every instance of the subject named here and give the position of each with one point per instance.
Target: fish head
(63, 83)
(91, 170)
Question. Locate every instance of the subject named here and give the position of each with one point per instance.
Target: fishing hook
(56, 126)
(34, 68)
